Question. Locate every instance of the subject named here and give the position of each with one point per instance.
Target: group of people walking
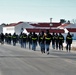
(44, 39)
(56, 39)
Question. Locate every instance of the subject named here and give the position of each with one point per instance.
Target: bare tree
(73, 21)
(3, 24)
(62, 20)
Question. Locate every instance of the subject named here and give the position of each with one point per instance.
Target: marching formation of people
(43, 39)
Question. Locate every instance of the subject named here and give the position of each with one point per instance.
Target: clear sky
(36, 10)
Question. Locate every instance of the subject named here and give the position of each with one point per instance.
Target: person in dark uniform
(2, 38)
(48, 39)
(24, 40)
(56, 41)
(61, 41)
(9, 38)
(68, 41)
(53, 40)
(6, 38)
(14, 38)
(39, 38)
(42, 42)
(34, 41)
(21, 39)
(30, 39)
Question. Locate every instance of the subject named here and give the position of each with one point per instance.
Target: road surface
(19, 61)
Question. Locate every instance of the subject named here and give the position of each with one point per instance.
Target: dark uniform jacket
(30, 38)
(14, 38)
(53, 38)
(24, 38)
(34, 38)
(69, 39)
(48, 38)
(56, 38)
(41, 39)
(61, 39)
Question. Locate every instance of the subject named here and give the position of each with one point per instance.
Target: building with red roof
(30, 27)
(16, 27)
(38, 27)
(27, 27)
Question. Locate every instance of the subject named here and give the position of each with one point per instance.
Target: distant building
(16, 27)
(38, 27)
(27, 27)
(63, 28)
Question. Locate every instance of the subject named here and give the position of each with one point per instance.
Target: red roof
(46, 24)
(50, 30)
(64, 25)
(71, 29)
(13, 24)
(37, 24)
(56, 30)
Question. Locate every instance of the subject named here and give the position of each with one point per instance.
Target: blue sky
(36, 10)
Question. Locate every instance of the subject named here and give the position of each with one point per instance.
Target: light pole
(51, 22)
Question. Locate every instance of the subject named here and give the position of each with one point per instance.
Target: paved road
(19, 61)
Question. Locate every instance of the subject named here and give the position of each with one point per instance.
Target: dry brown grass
(74, 48)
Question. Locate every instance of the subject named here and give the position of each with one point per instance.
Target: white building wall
(9, 29)
(18, 28)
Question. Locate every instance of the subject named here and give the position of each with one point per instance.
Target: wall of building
(20, 27)
(9, 29)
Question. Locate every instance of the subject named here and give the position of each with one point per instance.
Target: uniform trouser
(42, 45)
(30, 45)
(60, 45)
(9, 41)
(56, 45)
(21, 43)
(14, 43)
(53, 45)
(34, 44)
(2, 41)
(68, 47)
(24, 44)
(47, 47)
(6, 40)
